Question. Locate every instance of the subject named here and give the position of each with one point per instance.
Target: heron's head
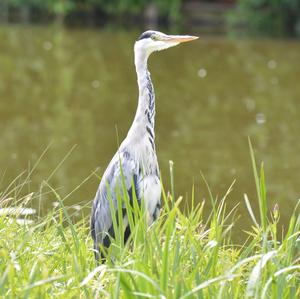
(151, 41)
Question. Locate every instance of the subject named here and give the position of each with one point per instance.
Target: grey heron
(135, 160)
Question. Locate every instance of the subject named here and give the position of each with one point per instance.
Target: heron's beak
(178, 38)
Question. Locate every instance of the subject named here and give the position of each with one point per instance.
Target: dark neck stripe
(150, 132)
(152, 143)
(150, 111)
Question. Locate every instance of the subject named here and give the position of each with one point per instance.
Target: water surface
(64, 88)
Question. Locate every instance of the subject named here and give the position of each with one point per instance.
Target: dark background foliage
(259, 17)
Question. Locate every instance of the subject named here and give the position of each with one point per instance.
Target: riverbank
(180, 256)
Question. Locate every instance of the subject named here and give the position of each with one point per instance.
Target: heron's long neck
(145, 114)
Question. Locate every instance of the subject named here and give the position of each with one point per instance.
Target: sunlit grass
(179, 256)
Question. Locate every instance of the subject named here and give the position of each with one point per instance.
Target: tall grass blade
(255, 276)
(260, 189)
(276, 274)
(249, 208)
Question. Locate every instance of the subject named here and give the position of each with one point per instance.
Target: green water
(66, 88)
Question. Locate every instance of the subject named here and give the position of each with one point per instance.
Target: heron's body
(135, 163)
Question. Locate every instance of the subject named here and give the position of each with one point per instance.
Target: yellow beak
(178, 38)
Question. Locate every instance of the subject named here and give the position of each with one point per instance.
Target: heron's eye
(154, 37)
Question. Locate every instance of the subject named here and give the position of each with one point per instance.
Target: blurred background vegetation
(262, 17)
(268, 17)
(58, 10)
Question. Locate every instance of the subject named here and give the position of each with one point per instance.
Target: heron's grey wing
(121, 169)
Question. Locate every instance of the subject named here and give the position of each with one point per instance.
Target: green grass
(179, 256)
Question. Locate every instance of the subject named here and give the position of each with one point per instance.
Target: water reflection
(75, 87)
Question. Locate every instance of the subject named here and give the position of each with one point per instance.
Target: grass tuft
(179, 256)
